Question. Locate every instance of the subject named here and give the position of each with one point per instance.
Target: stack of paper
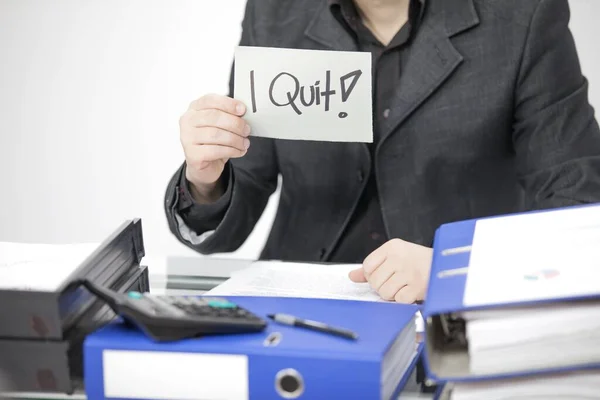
(397, 360)
(287, 279)
(582, 385)
(550, 336)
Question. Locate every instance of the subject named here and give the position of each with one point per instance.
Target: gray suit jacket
(491, 117)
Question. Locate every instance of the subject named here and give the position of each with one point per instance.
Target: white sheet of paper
(43, 267)
(286, 279)
(305, 94)
(538, 256)
(268, 278)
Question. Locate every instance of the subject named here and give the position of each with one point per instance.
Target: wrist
(206, 193)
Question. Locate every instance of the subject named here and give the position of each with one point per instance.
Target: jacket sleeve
(555, 136)
(249, 182)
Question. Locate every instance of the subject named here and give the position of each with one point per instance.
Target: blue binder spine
(269, 376)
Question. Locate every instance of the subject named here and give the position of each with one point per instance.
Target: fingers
(374, 260)
(392, 288)
(406, 295)
(375, 269)
(219, 119)
(216, 136)
(212, 131)
(388, 290)
(397, 289)
(198, 156)
(219, 102)
(397, 271)
(357, 275)
(381, 274)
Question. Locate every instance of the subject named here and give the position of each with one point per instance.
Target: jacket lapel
(432, 58)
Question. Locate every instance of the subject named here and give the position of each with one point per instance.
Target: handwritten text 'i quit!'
(286, 90)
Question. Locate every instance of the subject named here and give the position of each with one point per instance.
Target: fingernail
(246, 144)
(247, 130)
(239, 109)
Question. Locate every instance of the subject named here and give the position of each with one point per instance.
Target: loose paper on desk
(300, 94)
(538, 256)
(41, 267)
(287, 279)
(270, 278)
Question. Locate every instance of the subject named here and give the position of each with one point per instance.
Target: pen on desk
(314, 325)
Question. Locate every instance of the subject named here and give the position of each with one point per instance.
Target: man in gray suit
(480, 109)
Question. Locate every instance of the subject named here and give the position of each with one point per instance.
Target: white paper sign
(305, 94)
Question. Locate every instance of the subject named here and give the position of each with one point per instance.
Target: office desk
(192, 276)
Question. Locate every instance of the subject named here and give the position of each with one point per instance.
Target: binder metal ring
(289, 383)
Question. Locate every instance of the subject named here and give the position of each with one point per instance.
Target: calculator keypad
(209, 307)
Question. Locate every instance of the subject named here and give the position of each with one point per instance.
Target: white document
(282, 279)
(305, 94)
(42, 267)
(547, 255)
(286, 279)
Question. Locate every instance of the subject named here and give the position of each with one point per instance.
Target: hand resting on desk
(398, 271)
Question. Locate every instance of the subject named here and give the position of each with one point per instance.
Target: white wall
(585, 28)
(90, 96)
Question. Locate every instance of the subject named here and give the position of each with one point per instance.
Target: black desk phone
(169, 318)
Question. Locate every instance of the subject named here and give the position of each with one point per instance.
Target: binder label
(173, 375)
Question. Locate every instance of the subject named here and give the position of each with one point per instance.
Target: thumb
(357, 275)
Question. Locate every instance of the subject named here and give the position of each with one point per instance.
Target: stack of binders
(513, 307)
(45, 314)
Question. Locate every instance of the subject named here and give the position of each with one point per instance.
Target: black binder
(47, 315)
(56, 366)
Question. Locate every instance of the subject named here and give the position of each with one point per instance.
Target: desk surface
(192, 275)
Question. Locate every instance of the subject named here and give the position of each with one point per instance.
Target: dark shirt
(366, 231)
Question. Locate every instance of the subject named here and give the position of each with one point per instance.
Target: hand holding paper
(398, 271)
(212, 131)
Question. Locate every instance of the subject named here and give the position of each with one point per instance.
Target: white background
(90, 97)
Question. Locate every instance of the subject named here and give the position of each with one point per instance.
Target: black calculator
(170, 318)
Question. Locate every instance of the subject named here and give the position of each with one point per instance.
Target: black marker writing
(328, 92)
(312, 96)
(253, 95)
(306, 96)
(290, 98)
(346, 92)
